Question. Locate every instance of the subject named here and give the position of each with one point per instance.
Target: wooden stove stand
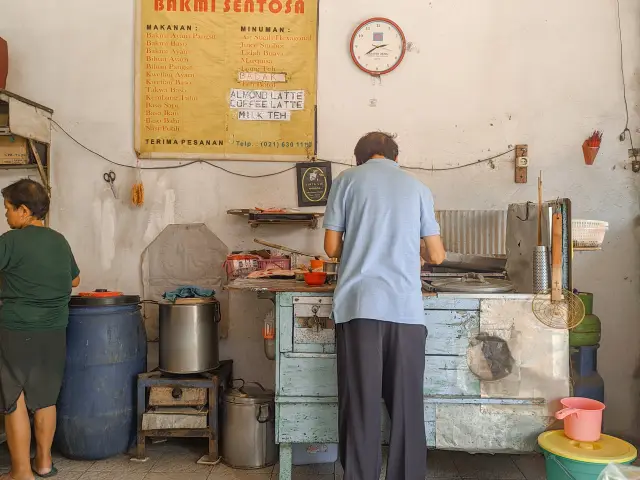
(215, 382)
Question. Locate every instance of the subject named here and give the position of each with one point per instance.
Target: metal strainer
(566, 313)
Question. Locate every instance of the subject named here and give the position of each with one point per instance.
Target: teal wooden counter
(465, 407)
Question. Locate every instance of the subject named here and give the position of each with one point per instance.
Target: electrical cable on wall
(489, 160)
(623, 135)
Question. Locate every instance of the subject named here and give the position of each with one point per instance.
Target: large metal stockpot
(189, 336)
(248, 427)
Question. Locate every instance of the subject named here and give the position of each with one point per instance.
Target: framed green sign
(314, 183)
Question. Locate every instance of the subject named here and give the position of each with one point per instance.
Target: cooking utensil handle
(284, 249)
(234, 380)
(241, 389)
(556, 258)
(565, 412)
(539, 210)
(269, 416)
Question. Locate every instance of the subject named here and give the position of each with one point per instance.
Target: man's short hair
(29, 193)
(375, 143)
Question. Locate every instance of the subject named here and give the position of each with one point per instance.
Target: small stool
(214, 382)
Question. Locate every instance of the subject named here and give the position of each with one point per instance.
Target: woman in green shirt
(38, 271)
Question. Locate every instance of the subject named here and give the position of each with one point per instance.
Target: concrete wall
(480, 76)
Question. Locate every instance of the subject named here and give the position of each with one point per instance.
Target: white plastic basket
(588, 233)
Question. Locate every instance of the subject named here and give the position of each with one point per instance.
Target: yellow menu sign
(226, 79)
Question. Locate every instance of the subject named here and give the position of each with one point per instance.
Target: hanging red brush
(591, 146)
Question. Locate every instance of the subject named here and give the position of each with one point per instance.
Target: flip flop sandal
(51, 473)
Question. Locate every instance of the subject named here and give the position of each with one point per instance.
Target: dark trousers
(381, 360)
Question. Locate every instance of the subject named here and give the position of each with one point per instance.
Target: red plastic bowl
(315, 279)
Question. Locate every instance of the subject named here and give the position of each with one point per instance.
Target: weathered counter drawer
(315, 375)
(318, 423)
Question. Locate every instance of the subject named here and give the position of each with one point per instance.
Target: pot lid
(249, 393)
(472, 283)
(103, 298)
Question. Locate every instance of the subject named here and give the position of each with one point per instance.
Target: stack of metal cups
(541, 270)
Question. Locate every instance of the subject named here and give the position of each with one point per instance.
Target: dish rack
(588, 233)
(283, 263)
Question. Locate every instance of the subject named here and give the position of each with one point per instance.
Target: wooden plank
(284, 325)
(430, 424)
(433, 399)
(285, 299)
(449, 375)
(43, 175)
(271, 285)
(173, 421)
(309, 348)
(316, 375)
(286, 459)
(449, 331)
(450, 303)
(493, 429)
(6, 94)
(329, 348)
(313, 300)
(307, 422)
(308, 376)
(163, 396)
(318, 423)
(294, 286)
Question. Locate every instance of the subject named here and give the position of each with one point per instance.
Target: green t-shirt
(36, 268)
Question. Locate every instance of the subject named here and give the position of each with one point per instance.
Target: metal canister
(330, 267)
(540, 267)
(248, 427)
(189, 337)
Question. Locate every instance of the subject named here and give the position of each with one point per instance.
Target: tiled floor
(176, 460)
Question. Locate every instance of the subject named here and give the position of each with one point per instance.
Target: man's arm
(433, 251)
(333, 243)
(335, 219)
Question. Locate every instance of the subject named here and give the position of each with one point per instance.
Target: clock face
(378, 46)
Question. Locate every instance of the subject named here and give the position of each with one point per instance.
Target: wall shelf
(20, 117)
(255, 218)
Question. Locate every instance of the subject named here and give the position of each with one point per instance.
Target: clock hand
(375, 48)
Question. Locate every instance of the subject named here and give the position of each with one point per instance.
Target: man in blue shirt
(375, 220)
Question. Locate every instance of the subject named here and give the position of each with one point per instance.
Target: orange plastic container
(582, 418)
(317, 265)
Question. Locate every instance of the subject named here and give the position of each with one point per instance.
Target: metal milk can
(248, 427)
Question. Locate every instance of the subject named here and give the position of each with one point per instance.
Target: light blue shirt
(383, 212)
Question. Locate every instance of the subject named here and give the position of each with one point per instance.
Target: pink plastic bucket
(582, 418)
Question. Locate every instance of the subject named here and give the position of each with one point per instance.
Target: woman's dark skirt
(31, 362)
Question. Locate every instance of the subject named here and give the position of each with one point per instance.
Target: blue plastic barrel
(106, 350)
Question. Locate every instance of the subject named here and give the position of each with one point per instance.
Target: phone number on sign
(275, 144)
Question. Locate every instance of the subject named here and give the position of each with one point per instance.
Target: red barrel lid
(103, 298)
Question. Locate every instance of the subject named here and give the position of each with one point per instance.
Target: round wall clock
(378, 46)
